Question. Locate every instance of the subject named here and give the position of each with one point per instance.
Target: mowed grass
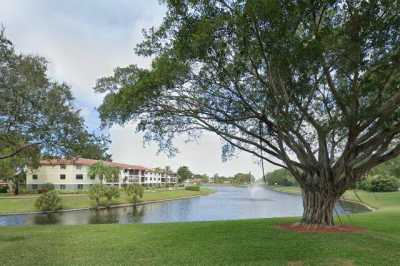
(72, 201)
(376, 200)
(289, 190)
(245, 242)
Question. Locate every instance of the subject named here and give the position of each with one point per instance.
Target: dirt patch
(301, 228)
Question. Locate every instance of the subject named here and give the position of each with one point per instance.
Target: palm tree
(104, 171)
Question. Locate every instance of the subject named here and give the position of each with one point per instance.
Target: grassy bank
(377, 200)
(246, 242)
(72, 201)
(289, 190)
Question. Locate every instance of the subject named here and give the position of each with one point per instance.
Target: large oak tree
(38, 114)
(310, 86)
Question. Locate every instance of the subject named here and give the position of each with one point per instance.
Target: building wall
(51, 174)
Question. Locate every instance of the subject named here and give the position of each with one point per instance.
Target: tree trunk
(16, 189)
(318, 207)
(97, 203)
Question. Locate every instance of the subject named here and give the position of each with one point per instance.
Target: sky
(86, 40)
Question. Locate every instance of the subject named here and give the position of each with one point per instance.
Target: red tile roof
(88, 162)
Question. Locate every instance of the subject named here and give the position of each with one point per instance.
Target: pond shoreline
(227, 203)
(103, 207)
(361, 204)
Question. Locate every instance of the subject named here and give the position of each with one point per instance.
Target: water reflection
(228, 203)
(50, 218)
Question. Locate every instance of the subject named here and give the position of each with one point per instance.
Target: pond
(227, 203)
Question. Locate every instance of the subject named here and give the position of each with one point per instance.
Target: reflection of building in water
(73, 175)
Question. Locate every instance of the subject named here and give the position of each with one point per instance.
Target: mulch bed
(301, 228)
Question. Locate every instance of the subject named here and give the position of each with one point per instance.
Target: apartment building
(73, 175)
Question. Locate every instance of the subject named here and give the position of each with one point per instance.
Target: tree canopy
(243, 178)
(310, 86)
(104, 172)
(184, 173)
(38, 112)
(281, 177)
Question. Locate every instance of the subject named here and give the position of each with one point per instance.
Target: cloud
(202, 156)
(86, 40)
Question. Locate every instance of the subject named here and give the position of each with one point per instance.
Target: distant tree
(203, 177)
(135, 192)
(310, 86)
(97, 193)
(36, 112)
(184, 173)
(158, 170)
(281, 177)
(110, 193)
(222, 179)
(104, 172)
(242, 178)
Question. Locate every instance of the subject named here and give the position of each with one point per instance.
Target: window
(79, 177)
(63, 166)
(34, 177)
(62, 187)
(92, 177)
(34, 187)
(62, 176)
(80, 186)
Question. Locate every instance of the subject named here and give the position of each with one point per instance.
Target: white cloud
(85, 40)
(203, 156)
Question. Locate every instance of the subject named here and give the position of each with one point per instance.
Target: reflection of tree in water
(104, 216)
(49, 218)
(137, 213)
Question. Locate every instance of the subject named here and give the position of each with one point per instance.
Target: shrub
(135, 192)
(280, 177)
(3, 189)
(383, 184)
(111, 193)
(46, 188)
(192, 188)
(49, 201)
(97, 192)
(364, 184)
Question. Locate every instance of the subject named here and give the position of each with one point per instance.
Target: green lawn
(71, 201)
(290, 190)
(245, 242)
(376, 200)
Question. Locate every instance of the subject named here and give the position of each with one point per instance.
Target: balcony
(132, 178)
